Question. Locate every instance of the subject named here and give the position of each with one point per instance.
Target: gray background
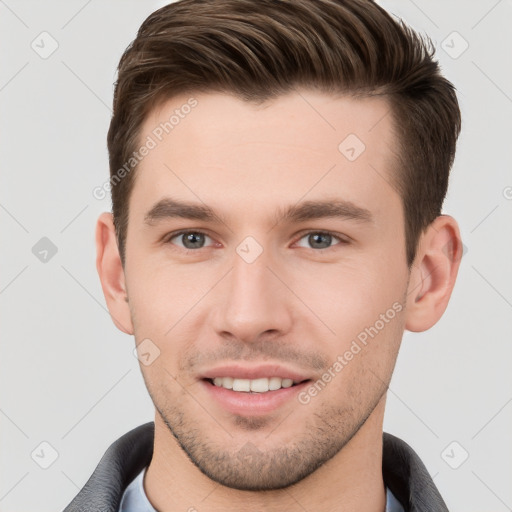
(68, 376)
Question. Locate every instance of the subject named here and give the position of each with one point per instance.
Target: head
(304, 148)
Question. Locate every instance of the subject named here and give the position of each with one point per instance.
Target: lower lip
(252, 404)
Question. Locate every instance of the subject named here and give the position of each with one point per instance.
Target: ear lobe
(433, 274)
(111, 273)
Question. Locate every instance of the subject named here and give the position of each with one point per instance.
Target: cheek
(362, 359)
(352, 296)
(161, 294)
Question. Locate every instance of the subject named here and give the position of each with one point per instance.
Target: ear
(433, 274)
(111, 272)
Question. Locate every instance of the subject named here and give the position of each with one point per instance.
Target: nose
(253, 301)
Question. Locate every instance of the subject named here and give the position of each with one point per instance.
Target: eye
(189, 239)
(319, 240)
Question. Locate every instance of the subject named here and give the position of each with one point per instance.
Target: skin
(297, 304)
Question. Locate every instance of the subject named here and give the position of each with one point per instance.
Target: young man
(277, 175)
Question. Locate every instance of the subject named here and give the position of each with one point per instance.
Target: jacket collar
(407, 477)
(403, 472)
(120, 464)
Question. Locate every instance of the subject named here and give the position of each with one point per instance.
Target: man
(277, 175)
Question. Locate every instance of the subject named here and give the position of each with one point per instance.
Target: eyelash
(342, 240)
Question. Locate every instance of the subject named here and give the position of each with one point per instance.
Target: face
(265, 262)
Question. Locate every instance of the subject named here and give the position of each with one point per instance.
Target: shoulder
(121, 463)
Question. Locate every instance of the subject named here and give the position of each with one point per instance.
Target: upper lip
(253, 372)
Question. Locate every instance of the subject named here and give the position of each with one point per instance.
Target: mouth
(250, 397)
(253, 390)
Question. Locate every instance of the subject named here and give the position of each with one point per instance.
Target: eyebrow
(169, 208)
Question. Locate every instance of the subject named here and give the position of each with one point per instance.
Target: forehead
(217, 148)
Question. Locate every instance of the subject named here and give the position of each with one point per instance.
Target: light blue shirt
(134, 497)
(135, 500)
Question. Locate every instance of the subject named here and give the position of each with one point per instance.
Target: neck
(350, 481)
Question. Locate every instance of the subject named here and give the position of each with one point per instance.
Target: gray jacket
(402, 469)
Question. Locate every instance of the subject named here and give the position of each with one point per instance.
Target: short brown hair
(260, 49)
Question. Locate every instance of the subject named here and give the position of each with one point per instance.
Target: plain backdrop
(70, 383)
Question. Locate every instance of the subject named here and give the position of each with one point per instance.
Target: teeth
(287, 383)
(274, 383)
(241, 385)
(226, 382)
(261, 385)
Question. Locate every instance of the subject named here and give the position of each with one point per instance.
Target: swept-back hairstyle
(260, 49)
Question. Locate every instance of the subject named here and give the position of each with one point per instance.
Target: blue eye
(189, 239)
(319, 240)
